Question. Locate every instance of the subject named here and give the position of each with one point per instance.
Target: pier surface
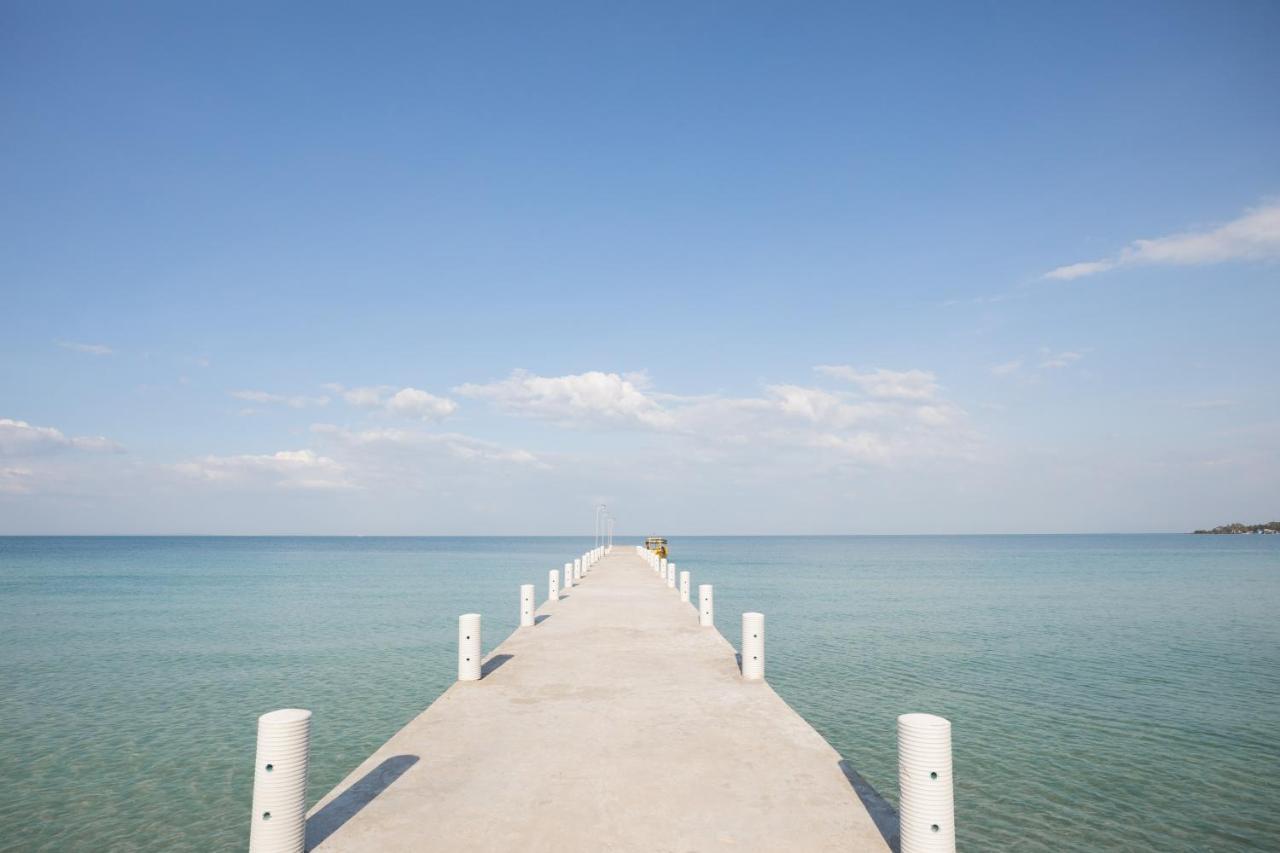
(615, 724)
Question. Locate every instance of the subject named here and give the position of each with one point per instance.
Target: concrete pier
(616, 723)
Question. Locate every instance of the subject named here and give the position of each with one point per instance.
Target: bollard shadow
(538, 620)
(738, 657)
(883, 815)
(346, 805)
(493, 663)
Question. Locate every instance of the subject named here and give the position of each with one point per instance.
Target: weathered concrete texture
(617, 723)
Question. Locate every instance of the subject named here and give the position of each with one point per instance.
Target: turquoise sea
(1106, 692)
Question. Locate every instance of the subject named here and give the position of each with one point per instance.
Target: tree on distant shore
(1237, 527)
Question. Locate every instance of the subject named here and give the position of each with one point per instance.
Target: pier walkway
(614, 724)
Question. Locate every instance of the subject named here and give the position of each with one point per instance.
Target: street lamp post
(599, 508)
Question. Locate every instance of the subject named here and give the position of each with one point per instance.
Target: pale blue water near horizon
(1106, 692)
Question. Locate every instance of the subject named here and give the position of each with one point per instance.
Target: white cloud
(886, 384)
(293, 401)
(894, 416)
(91, 349)
(574, 400)
(1072, 271)
(290, 469)
(890, 415)
(19, 438)
(411, 402)
(819, 406)
(405, 402)
(1255, 236)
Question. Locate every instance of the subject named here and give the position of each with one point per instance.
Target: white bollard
(568, 575)
(469, 647)
(684, 586)
(526, 605)
(280, 782)
(553, 585)
(671, 575)
(753, 646)
(926, 805)
(662, 567)
(577, 570)
(706, 610)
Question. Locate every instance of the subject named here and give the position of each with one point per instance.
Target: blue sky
(734, 268)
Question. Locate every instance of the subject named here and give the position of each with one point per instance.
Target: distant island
(1237, 527)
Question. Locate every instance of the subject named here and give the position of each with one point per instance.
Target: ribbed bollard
(280, 782)
(662, 567)
(684, 586)
(671, 575)
(526, 605)
(553, 585)
(926, 807)
(469, 647)
(577, 570)
(568, 575)
(706, 610)
(753, 646)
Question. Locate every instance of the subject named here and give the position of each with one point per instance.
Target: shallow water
(1106, 692)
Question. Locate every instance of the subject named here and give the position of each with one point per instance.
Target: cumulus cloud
(293, 401)
(19, 438)
(577, 399)
(1254, 236)
(91, 349)
(820, 406)
(384, 462)
(886, 415)
(886, 384)
(289, 469)
(414, 403)
(889, 417)
(403, 402)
